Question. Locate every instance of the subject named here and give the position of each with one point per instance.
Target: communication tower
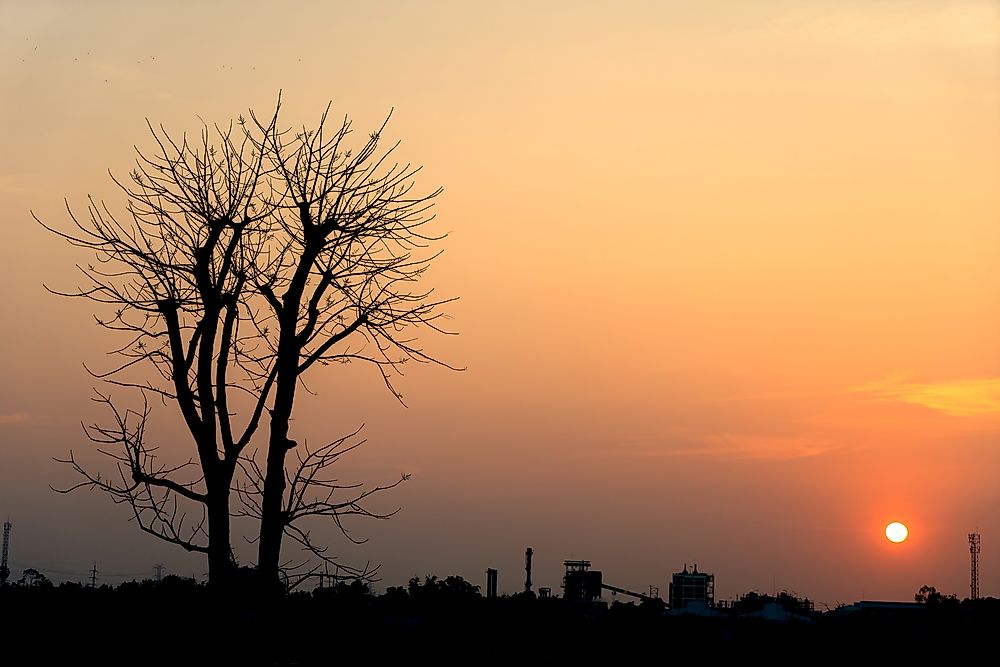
(4, 570)
(974, 548)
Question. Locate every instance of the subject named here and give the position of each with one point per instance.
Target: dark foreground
(176, 622)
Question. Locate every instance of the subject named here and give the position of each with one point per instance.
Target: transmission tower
(4, 570)
(93, 576)
(158, 572)
(974, 549)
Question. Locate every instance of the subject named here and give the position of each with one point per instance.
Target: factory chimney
(527, 570)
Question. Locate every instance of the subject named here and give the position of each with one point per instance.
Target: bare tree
(244, 259)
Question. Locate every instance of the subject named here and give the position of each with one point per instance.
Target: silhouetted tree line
(449, 621)
(930, 596)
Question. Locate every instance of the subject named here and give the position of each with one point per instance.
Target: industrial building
(694, 586)
(580, 583)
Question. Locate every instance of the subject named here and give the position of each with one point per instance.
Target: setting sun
(896, 532)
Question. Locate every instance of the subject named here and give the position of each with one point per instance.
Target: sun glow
(896, 532)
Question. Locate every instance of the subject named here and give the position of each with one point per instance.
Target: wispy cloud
(737, 445)
(959, 398)
(13, 418)
(776, 447)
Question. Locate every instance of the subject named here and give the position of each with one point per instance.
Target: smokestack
(527, 570)
(491, 583)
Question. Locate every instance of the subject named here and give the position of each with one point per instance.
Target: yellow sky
(728, 275)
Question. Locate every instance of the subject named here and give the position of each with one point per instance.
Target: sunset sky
(729, 278)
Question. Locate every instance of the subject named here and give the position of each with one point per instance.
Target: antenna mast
(974, 548)
(4, 570)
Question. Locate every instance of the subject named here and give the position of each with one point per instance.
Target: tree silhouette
(930, 596)
(33, 577)
(450, 590)
(244, 259)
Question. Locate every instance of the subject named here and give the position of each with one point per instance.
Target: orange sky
(728, 274)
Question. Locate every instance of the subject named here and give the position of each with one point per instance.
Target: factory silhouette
(693, 591)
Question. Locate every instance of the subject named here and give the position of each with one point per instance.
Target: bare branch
(141, 481)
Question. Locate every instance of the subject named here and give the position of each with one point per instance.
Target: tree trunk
(220, 558)
(272, 523)
(220, 551)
